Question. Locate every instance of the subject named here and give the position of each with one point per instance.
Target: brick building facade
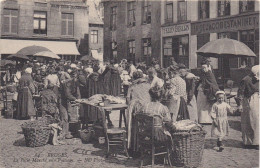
(95, 27)
(61, 26)
(188, 25)
(132, 30)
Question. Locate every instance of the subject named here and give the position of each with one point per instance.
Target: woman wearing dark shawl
(206, 91)
(26, 89)
(115, 82)
(93, 86)
(248, 96)
(105, 77)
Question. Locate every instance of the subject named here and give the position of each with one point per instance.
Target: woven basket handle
(195, 128)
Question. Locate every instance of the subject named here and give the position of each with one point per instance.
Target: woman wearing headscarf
(248, 96)
(26, 89)
(206, 94)
(190, 80)
(137, 96)
(177, 95)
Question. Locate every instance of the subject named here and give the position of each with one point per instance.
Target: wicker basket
(36, 133)
(188, 146)
(86, 135)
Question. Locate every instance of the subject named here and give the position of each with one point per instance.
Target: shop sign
(176, 30)
(225, 25)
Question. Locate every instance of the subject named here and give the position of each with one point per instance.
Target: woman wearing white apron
(206, 95)
(248, 94)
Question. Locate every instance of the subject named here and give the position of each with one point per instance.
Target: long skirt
(192, 108)
(250, 120)
(25, 105)
(204, 108)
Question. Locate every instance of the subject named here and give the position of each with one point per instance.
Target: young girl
(220, 126)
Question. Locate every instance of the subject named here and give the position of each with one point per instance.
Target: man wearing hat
(70, 92)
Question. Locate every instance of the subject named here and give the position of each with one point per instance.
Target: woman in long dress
(190, 80)
(206, 95)
(248, 96)
(177, 95)
(26, 89)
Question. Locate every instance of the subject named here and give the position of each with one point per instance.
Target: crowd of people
(173, 92)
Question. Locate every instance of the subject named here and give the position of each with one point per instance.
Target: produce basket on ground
(86, 135)
(188, 146)
(36, 133)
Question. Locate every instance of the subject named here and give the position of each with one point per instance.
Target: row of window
(146, 50)
(223, 10)
(131, 14)
(204, 7)
(10, 22)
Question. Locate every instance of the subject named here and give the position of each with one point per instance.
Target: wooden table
(111, 107)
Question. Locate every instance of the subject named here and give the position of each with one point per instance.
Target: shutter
(70, 27)
(63, 27)
(6, 24)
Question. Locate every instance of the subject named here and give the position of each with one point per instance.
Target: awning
(11, 46)
(98, 56)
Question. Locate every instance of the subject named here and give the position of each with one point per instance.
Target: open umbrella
(225, 48)
(7, 62)
(17, 57)
(88, 58)
(48, 54)
(31, 50)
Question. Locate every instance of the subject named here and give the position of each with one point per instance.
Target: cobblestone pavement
(74, 154)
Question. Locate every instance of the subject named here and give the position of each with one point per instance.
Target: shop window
(10, 21)
(181, 50)
(233, 62)
(224, 8)
(40, 22)
(169, 12)
(147, 12)
(249, 38)
(147, 50)
(94, 36)
(131, 13)
(167, 51)
(246, 6)
(67, 24)
(202, 39)
(131, 50)
(203, 9)
(113, 15)
(182, 10)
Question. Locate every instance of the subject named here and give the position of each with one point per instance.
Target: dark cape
(248, 86)
(93, 86)
(25, 105)
(106, 75)
(183, 113)
(115, 82)
(209, 85)
(190, 88)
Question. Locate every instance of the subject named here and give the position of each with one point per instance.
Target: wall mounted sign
(179, 29)
(226, 24)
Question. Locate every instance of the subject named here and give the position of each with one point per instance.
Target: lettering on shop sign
(226, 24)
(176, 30)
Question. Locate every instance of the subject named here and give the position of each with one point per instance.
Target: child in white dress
(220, 126)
